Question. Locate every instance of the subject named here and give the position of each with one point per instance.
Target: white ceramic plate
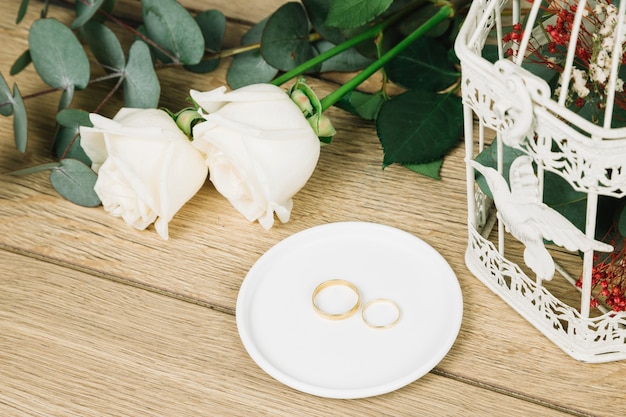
(345, 358)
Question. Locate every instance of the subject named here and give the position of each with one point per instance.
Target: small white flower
(580, 83)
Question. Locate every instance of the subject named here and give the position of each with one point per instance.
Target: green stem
(444, 13)
(362, 37)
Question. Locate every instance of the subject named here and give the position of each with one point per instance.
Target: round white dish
(345, 358)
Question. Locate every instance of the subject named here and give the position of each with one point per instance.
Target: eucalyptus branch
(313, 37)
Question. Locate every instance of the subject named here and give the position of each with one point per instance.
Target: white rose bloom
(147, 168)
(259, 147)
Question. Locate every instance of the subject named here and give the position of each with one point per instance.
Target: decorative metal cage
(528, 82)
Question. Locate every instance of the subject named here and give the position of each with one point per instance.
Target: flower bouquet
(257, 141)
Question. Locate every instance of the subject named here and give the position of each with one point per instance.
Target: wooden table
(97, 318)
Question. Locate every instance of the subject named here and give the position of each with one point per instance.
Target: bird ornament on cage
(529, 220)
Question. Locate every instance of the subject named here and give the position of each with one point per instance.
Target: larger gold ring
(331, 315)
(389, 318)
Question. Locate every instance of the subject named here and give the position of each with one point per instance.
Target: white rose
(147, 168)
(259, 147)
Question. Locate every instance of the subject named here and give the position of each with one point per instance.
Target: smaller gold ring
(332, 283)
(386, 325)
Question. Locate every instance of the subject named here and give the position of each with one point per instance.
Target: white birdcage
(542, 124)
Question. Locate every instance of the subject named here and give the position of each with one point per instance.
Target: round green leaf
(212, 23)
(66, 139)
(172, 27)
(57, 55)
(85, 9)
(105, 46)
(250, 67)
(417, 127)
(75, 181)
(6, 98)
(20, 120)
(141, 85)
(285, 39)
(423, 65)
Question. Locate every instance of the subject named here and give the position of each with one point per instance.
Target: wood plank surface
(167, 306)
(75, 345)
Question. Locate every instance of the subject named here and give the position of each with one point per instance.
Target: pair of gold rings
(380, 313)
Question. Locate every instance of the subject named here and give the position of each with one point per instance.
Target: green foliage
(57, 55)
(141, 85)
(173, 28)
(285, 40)
(354, 13)
(75, 181)
(416, 128)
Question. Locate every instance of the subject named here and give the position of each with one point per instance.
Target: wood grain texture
(75, 345)
(87, 286)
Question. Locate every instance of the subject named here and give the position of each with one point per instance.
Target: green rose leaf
(362, 104)
(250, 67)
(212, 23)
(6, 98)
(622, 222)
(141, 85)
(417, 127)
(20, 120)
(21, 62)
(105, 46)
(429, 169)
(423, 64)
(285, 40)
(58, 56)
(349, 14)
(75, 181)
(85, 9)
(171, 26)
(66, 139)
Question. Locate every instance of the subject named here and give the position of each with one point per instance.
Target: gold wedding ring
(336, 283)
(390, 316)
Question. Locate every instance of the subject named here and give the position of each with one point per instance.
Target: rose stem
(445, 12)
(362, 37)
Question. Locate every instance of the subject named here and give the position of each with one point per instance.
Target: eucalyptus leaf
(6, 98)
(105, 46)
(57, 55)
(317, 10)
(21, 62)
(141, 85)
(75, 181)
(429, 169)
(424, 65)
(212, 23)
(20, 120)
(66, 97)
(170, 25)
(36, 169)
(66, 139)
(362, 104)
(85, 9)
(354, 13)
(250, 67)
(285, 39)
(347, 61)
(417, 127)
(21, 11)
